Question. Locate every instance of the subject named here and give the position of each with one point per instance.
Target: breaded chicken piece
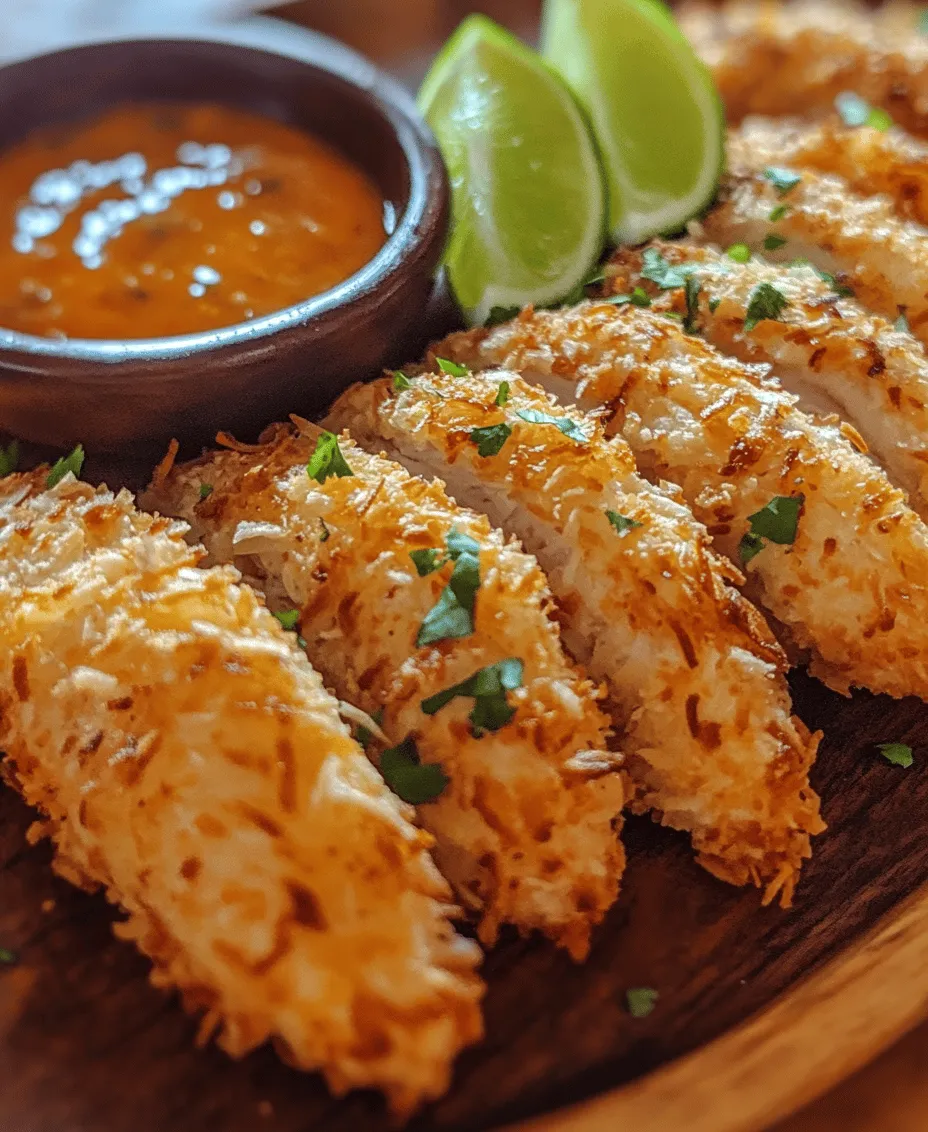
(525, 826)
(187, 758)
(848, 583)
(694, 675)
(795, 58)
(835, 356)
(869, 161)
(859, 240)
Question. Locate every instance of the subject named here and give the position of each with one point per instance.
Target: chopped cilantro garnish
(778, 213)
(427, 561)
(764, 302)
(799, 261)
(502, 393)
(857, 111)
(400, 381)
(692, 287)
(364, 735)
(452, 616)
(714, 305)
(73, 462)
(899, 754)
(777, 523)
(490, 438)
(206, 490)
(666, 275)
(501, 314)
(772, 241)
(488, 689)
(326, 533)
(451, 368)
(783, 180)
(740, 253)
(415, 782)
(639, 298)
(641, 1001)
(840, 289)
(901, 323)
(7, 957)
(569, 428)
(327, 460)
(621, 522)
(9, 458)
(289, 618)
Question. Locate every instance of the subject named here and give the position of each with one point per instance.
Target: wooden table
(891, 1094)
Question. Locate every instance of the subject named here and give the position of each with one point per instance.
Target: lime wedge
(528, 209)
(655, 111)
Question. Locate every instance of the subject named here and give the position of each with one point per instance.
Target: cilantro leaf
(692, 287)
(326, 533)
(764, 302)
(327, 460)
(502, 393)
(641, 1001)
(73, 462)
(501, 314)
(750, 546)
(363, 734)
(840, 289)
(740, 253)
(783, 180)
(452, 616)
(772, 241)
(427, 561)
(777, 522)
(487, 687)
(714, 305)
(9, 458)
(289, 618)
(7, 957)
(666, 275)
(400, 381)
(206, 490)
(856, 111)
(569, 428)
(459, 543)
(778, 213)
(639, 298)
(899, 754)
(621, 522)
(415, 782)
(491, 438)
(451, 368)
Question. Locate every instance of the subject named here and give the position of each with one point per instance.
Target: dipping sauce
(162, 218)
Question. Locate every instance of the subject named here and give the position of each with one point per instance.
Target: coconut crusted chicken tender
(830, 549)
(693, 673)
(837, 357)
(796, 57)
(416, 608)
(187, 758)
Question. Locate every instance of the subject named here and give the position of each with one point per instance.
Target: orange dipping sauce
(163, 218)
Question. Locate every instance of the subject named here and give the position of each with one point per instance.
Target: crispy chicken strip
(525, 825)
(849, 589)
(859, 240)
(795, 58)
(187, 758)
(869, 161)
(836, 357)
(693, 672)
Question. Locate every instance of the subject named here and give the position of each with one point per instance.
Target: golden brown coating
(835, 356)
(187, 758)
(524, 827)
(795, 57)
(693, 672)
(851, 589)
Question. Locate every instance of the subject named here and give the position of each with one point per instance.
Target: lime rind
(527, 187)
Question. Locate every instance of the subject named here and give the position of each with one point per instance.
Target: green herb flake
(923, 21)
(452, 369)
(772, 242)
(777, 522)
(452, 616)
(783, 180)
(640, 1001)
(740, 253)
(856, 111)
(7, 957)
(363, 734)
(692, 287)
(9, 458)
(400, 381)
(206, 490)
(289, 618)
(666, 275)
(427, 561)
(714, 305)
(638, 298)
(840, 289)
(327, 460)
(621, 522)
(487, 688)
(778, 213)
(73, 462)
(415, 782)
(325, 533)
(765, 302)
(491, 438)
(899, 754)
(902, 323)
(499, 315)
(502, 393)
(569, 428)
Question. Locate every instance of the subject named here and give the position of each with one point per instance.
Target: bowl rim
(398, 108)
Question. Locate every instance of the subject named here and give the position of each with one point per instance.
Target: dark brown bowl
(108, 393)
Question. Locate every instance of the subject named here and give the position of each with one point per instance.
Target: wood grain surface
(86, 1045)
